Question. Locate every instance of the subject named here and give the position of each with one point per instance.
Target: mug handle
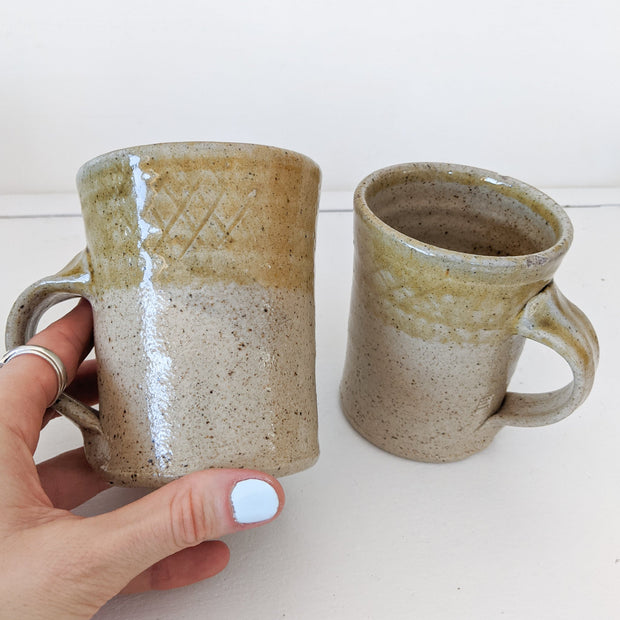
(552, 320)
(23, 319)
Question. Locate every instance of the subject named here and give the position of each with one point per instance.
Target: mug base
(154, 481)
(425, 452)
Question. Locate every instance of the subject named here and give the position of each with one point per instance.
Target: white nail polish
(253, 501)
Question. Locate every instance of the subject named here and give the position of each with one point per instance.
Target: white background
(528, 88)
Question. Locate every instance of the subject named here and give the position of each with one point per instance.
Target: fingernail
(253, 501)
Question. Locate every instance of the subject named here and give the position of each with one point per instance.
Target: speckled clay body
(453, 268)
(199, 268)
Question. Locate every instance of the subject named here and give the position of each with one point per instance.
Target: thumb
(201, 506)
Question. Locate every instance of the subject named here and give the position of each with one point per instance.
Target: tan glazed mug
(453, 270)
(199, 269)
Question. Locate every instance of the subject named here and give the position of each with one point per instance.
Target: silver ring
(49, 356)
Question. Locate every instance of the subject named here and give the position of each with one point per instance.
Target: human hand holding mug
(59, 566)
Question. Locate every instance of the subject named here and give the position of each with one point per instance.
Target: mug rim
(198, 146)
(529, 196)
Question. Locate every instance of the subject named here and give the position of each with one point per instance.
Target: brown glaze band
(198, 212)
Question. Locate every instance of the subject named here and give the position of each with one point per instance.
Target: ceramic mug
(199, 269)
(453, 270)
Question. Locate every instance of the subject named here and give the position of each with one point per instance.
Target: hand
(58, 565)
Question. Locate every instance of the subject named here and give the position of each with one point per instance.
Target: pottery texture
(199, 269)
(453, 269)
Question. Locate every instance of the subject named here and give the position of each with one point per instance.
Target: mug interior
(462, 212)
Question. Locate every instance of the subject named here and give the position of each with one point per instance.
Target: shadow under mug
(453, 270)
(199, 267)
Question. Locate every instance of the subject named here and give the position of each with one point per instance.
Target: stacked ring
(50, 357)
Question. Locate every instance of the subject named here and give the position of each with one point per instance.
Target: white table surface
(528, 529)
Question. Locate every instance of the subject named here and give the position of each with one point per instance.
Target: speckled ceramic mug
(199, 268)
(453, 270)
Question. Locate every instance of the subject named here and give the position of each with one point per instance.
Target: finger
(84, 385)
(201, 506)
(28, 383)
(182, 568)
(68, 480)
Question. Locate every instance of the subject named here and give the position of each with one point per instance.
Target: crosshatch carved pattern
(195, 212)
(430, 312)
